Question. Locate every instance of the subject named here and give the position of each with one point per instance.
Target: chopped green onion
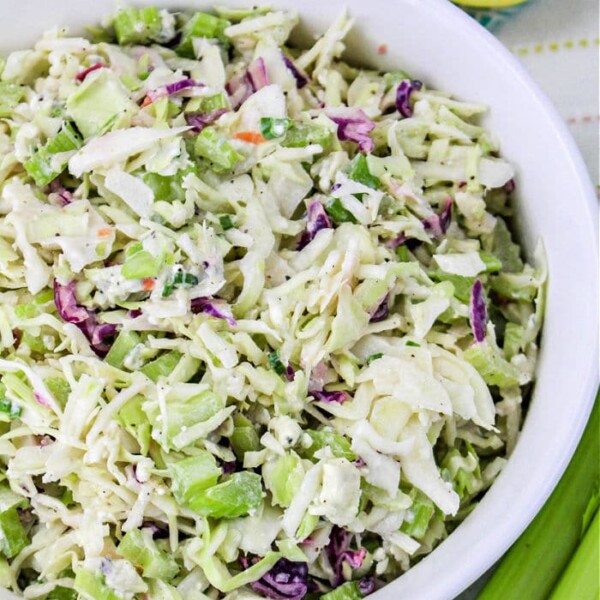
(274, 128)
(358, 170)
(193, 475)
(12, 410)
(180, 278)
(236, 497)
(531, 568)
(299, 136)
(126, 341)
(200, 25)
(275, 362)
(215, 148)
(335, 209)
(10, 96)
(137, 26)
(226, 222)
(373, 357)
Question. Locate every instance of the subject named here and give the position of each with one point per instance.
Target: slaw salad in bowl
(264, 329)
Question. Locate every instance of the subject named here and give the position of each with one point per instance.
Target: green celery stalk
(423, 511)
(244, 437)
(532, 566)
(126, 341)
(215, 148)
(200, 25)
(581, 579)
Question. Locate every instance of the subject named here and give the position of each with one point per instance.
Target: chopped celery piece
(299, 136)
(275, 362)
(13, 537)
(393, 78)
(166, 188)
(100, 98)
(200, 25)
(422, 511)
(62, 593)
(492, 365)
(531, 568)
(346, 591)
(211, 103)
(492, 264)
(138, 547)
(274, 128)
(283, 477)
(91, 586)
(335, 209)
(126, 341)
(192, 475)
(358, 170)
(137, 26)
(244, 437)
(10, 96)
(141, 264)
(215, 148)
(39, 166)
(236, 497)
(338, 444)
(135, 421)
(162, 366)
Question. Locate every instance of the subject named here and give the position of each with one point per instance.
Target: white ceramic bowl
(437, 43)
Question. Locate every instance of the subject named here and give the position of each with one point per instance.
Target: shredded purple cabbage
(338, 551)
(380, 311)
(405, 90)
(478, 311)
(329, 397)
(173, 88)
(99, 335)
(354, 127)
(40, 399)
(200, 120)
(510, 186)
(366, 585)
(437, 225)
(290, 374)
(397, 241)
(159, 530)
(59, 192)
(241, 87)
(228, 467)
(317, 219)
(286, 580)
(301, 78)
(215, 308)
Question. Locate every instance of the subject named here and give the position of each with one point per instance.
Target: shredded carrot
(147, 102)
(149, 284)
(252, 137)
(382, 49)
(104, 232)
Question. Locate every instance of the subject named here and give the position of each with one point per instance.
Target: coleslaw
(264, 329)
